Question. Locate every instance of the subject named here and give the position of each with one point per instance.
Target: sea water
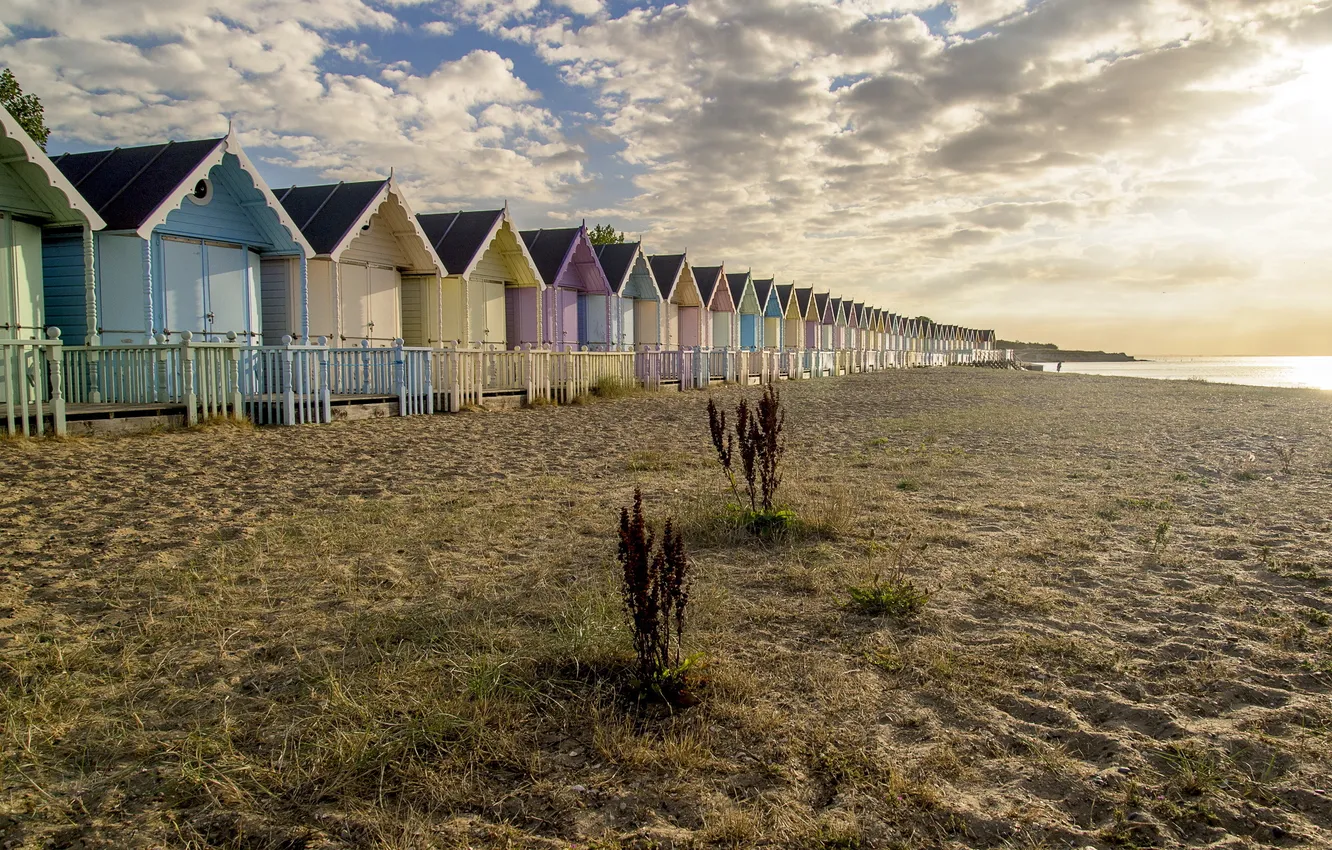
(1307, 372)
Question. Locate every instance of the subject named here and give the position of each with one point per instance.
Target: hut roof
(666, 269)
(784, 291)
(326, 214)
(821, 303)
(803, 299)
(460, 237)
(707, 278)
(127, 185)
(550, 248)
(617, 261)
(736, 282)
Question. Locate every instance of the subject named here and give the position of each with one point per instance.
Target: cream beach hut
(491, 287)
(682, 319)
(374, 278)
(827, 320)
(781, 317)
(46, 243)
(807, 308)
(191, 229)
(636, 314)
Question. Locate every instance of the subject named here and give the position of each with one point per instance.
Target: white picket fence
(31, 388)
(301, 383)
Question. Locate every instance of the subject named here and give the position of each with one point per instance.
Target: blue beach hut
(636, 312)
(194, 241)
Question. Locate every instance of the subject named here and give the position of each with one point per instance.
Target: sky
(1151, 176)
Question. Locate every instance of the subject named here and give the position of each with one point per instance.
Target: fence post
(187, 390)
(54, 362)
(232, 378)
(160, 360)
(365, 366)
(400, 376)
(325, 385)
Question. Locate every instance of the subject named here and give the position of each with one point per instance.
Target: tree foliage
(27, 109)
(605, 234)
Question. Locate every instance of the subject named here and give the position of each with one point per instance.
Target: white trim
(390, 187)
(503, 219)
(231, 145)
(54, 176)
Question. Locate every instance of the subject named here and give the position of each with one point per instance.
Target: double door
(209, 289)
(370, 301)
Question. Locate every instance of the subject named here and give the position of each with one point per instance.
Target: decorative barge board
(374, 277)
(45, 241)
(718, 308)
(190, 229)
(636, 314)
(682, 320)
(747, 329)
(492, 288)
(770, 308)
(567, 260)
(823, 310)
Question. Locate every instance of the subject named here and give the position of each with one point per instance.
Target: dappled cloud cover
(1150, 175)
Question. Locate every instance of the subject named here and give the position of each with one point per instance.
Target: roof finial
(390, 172)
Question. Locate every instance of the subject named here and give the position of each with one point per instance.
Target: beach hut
(858, 322)
(373, 277)
(782, 316)
(635, 313)
(840, 323)
(191, 231)
(682, 319)
(567, 260)
(748, 327)
(46, 243)
(491, 290)
(765, 291)
(718, 308)
(807, 308)
(826, 319)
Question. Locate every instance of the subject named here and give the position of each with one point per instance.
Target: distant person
(1059, 367)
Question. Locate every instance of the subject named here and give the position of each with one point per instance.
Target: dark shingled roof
(549, 248)
(617, 261)
(736, 283)
(784, 291)
(666, 269)
(803, 297)
(459, 237)
(836, 305)
(821, 303)
(125, 185)
(707, 278)
(326, 213)
(763, 289)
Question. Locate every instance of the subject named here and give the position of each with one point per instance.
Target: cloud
(469, 128)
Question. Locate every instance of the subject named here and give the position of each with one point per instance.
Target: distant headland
(1045, 352)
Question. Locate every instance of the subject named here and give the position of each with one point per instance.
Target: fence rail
(301, 383)
(31, 388)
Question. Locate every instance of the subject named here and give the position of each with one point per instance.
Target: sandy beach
(405, 632)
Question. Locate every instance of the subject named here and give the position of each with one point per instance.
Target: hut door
(385, 309)
(183, 302)
(495, 326)
(228, 291)
(355, 285)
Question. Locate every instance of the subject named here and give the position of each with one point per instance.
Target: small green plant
(1162, 537)
(614, 388)
(760, 444)
(908, 485)
(895, 595)
(655, 586)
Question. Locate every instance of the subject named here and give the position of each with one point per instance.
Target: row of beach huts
(168, 281)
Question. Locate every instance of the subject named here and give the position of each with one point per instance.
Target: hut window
(203, 192)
